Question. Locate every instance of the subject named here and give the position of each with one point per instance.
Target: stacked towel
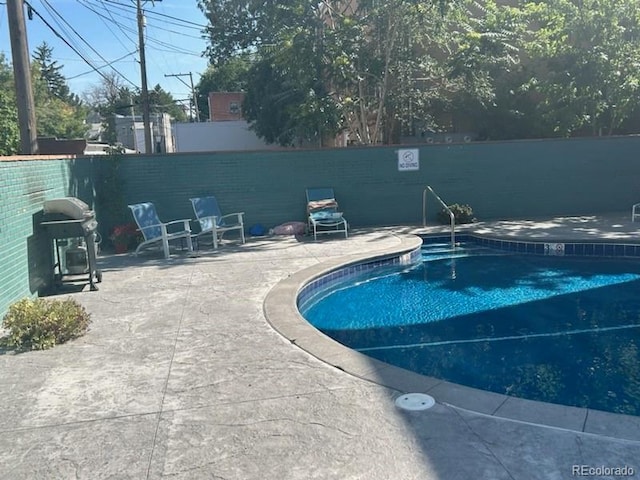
(329, 203)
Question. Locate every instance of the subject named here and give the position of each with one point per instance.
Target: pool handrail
(447, 209)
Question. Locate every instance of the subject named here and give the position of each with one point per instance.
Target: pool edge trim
(280, 308)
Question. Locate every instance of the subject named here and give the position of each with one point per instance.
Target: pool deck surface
(196, 368)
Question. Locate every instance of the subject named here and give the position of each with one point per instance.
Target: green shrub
(40, 324)
(462, 214)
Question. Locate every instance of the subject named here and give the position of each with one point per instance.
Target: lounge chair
(323, 214)
(213, 222)
(155, 231)
(634, 212)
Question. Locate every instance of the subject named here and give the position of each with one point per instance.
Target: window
(234, 107)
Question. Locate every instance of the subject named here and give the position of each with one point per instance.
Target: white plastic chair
(634, 212)
(155, 231)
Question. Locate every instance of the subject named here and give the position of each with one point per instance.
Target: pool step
(441, 251)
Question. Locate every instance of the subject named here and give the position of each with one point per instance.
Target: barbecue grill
(69, 218)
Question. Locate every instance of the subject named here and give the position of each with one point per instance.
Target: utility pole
(194, 99)
(143, 74)
(22, 77)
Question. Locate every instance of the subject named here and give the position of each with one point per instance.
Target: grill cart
(69, 221)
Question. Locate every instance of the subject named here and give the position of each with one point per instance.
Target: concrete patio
(182, 376)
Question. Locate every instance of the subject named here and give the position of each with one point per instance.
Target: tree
(487, 71)
(161, 101)
(58, 113)
(289, 98)
(9, 131)
(228, 76)
(50, 72)
(587, 62)
(372, 68)
(325, 67)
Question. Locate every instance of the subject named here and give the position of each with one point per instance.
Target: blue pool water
(555, 329)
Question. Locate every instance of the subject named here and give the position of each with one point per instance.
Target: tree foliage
(588, 64)
(161, 101)
(59, 114)
(227, 76)
(50, 72)
(375, 69)
(9, 132)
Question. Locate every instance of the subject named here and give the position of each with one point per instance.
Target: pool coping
(281, 311)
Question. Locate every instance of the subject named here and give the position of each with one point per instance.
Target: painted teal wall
(523, 179)
(24, 186)
(499, 180)
(25, 251)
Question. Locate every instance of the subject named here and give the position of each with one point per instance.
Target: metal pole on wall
(22, 77)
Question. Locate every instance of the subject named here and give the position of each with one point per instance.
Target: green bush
(40, 324)
(462, 214)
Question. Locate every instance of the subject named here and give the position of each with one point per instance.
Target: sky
(105, 33)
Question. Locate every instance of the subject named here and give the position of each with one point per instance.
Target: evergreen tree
(50, 72)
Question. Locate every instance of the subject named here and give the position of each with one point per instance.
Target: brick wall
(523, 179)
(499, 180)
(24, 186)
(224, 106)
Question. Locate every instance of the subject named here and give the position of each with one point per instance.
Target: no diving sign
(408, 159)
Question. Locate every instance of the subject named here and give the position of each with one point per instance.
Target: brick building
(225, 106)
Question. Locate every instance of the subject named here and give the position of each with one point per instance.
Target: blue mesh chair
(323, 214)
(155, 231)
(213, 222)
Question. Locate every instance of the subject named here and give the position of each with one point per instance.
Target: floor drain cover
(415, 401)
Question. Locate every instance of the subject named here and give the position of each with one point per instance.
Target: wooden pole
(22, 77)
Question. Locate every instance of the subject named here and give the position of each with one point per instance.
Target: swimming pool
(556, 329)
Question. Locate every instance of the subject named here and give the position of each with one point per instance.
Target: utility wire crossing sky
(96, 38)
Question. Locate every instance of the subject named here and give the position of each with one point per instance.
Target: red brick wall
(225, 106)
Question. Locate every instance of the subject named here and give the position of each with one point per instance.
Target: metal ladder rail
(444, 205)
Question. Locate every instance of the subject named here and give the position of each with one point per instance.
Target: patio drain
(415, 401)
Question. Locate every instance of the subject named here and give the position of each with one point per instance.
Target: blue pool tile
(618, 250)
(540, 248)
(579, 249)
(598, 249)
(569, 249)
(608, 249)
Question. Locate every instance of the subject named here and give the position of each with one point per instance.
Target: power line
(57, 34)
(181, 20)
(107, 63)
(169, 48)
(104, 66)
(102, 18)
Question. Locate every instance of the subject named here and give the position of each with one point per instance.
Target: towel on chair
(322, 204)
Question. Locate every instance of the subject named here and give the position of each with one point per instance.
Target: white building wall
(217, 136)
